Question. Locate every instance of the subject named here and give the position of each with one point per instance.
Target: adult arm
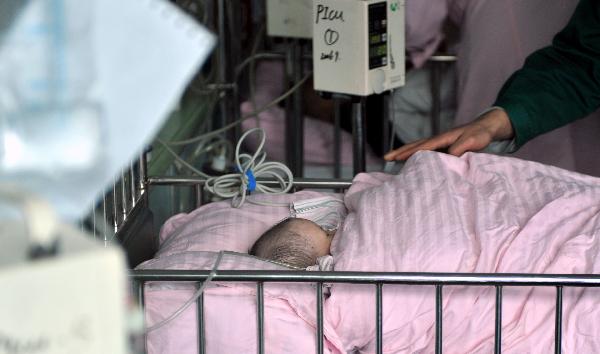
(557, 85)
(560, 83)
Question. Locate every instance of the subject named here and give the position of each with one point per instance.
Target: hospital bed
(133, 232)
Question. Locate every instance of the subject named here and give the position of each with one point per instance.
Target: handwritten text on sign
(331, 36)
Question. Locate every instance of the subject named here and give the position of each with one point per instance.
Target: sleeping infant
(294, 242)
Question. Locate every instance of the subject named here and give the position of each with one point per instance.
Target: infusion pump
(358, 46)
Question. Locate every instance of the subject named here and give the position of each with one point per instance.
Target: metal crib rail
(314, 183)
(439, 280)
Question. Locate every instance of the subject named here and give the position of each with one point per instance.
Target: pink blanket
(479, 213)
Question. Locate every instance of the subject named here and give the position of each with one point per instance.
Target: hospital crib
(132, 231)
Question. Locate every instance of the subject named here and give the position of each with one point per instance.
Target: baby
(295, 242)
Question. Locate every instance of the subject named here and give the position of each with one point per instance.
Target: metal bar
(105, 219)
(298, 182)
(359, 135)
(498, 329)
(385, 133)
(438, 319)
(143, 173)
(200, 314)
(222, 55)
(337, 149)
(379, 318)
(558, 323)
(123, 194)
(260, 315)
(132, 184)
(94, 221)
(320, 318)
(138, 287)
(198, 195)
(298, 117)
(294, 119)
(234, 25)
(115, 207)
(138, 292)
(481, 279)
(436, 96)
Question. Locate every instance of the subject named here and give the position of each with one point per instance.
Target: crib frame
(377, 279)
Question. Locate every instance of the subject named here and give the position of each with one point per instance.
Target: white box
(289, 18)
(73, 303)
(358, 46)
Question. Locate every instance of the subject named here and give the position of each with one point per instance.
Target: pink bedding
(478, 213)
(192, 241)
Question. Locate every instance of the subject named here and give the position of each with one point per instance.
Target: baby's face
(319, 239)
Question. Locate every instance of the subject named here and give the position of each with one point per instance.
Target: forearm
(560, 83)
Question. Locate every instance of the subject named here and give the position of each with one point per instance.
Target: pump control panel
(358, 46)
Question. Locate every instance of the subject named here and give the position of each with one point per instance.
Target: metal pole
(222, 54)
(320, 318)
(436, 99)
(115, 207)
(438, 319)
(105, 219)
(260, 317)
(337, 149)
(294, 122)
(143, 167)
(199, 194)
(498, 330)
(132, 184)
(200, 314)
(359, 134)
(379, 318)
(234, 60)
(123, 194)
(385, 134)
(558, 321)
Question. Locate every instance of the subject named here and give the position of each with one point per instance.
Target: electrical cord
(251, 169)
(192, 300)
(249, 115)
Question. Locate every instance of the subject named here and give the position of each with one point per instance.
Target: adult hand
(475, 136)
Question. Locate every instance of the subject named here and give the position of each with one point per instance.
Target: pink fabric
(479, 213)
(496, 37)
(230, 311)
(318, 135)
(218, 226)
(191, 241)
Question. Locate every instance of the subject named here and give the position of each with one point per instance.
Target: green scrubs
(560, 83)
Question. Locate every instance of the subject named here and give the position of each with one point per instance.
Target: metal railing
(439, 280)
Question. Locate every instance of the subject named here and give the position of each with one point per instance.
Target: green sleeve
(560, 83)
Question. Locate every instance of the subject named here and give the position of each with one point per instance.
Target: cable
(249, 115)
(251, 168)
(193, 299)
(243, 64)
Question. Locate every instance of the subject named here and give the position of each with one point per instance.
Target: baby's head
(294, 241)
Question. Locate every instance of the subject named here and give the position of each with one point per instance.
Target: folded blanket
(478, 213)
